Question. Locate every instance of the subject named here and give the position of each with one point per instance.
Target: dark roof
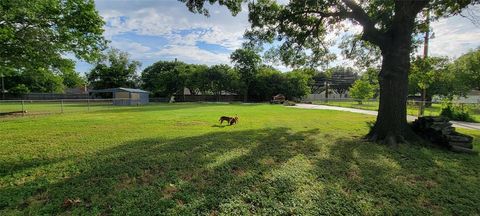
(119, 90)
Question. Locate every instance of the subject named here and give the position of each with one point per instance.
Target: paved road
(467, 125)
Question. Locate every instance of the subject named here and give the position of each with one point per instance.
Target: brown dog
(234, 120)
(230, 120)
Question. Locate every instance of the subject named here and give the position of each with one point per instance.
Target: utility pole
(425, 56)
(3, 87)
(427, 36)
(326, 91)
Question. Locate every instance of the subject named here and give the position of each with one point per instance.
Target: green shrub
(20, 89)
(362, 90)
(456, 113)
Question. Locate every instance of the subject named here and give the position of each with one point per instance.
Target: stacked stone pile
(439, 131)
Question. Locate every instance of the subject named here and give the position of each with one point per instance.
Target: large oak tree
(301, 27)
(37, 34)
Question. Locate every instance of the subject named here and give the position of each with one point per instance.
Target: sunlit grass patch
(175, 159)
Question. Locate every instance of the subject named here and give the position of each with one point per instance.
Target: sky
(153, 30)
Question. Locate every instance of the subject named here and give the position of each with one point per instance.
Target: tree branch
(370, 33)
(321, 13)
(405, 14)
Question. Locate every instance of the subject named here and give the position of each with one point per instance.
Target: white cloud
(229, 40)
(171, 21)
(454, 36)
(131, 46)
(163, 18)
(193, 54)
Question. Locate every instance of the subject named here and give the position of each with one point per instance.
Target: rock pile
(439, 131)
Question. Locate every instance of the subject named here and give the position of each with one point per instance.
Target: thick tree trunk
(245, 95)
(421, 109)
(391, 126)
(428, 99)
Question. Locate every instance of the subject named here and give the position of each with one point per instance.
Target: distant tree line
(444, 77)
(261, 83)
(258, 82)
(248, 77)
(438, 76)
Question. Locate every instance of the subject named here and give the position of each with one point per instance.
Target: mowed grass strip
(433, 110)
(175, 159)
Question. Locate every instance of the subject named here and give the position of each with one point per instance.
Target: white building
(472, 97)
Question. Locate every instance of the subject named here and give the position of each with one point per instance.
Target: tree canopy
(431, 74)
(220, 78)
(247, 62)
(115, 69)
(42, 80)
(362, 90)
(443, 77)
(467, 69)
(301, 26)
(164, 78)
(37, 34)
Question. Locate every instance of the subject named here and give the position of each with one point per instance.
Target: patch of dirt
(169, 190)
(238, 172)
(125, 182)
(147, 177)
(179, 202)
(213, 213)
(69, 203)
(188, 176)
(430, 184)
(427, 204)
(36, 200)
(267, 161)
(353, 175)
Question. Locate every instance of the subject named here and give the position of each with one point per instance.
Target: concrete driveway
(459, 124)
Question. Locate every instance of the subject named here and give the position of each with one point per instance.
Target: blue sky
(152, 30)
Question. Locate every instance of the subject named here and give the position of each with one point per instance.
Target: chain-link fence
(14, 108)
(36, 107)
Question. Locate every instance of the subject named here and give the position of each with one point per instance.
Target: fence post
(61, 105)
(88, 104)
(23, 108)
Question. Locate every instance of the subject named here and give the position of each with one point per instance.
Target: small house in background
(472, 97)
(125, 96)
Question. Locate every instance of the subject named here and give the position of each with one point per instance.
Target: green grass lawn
(176, 160)
(434, 110)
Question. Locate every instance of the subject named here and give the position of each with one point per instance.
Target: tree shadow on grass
(9, 168)
(412, 180)
(267, 172)
(202, 174)
(165, 107)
